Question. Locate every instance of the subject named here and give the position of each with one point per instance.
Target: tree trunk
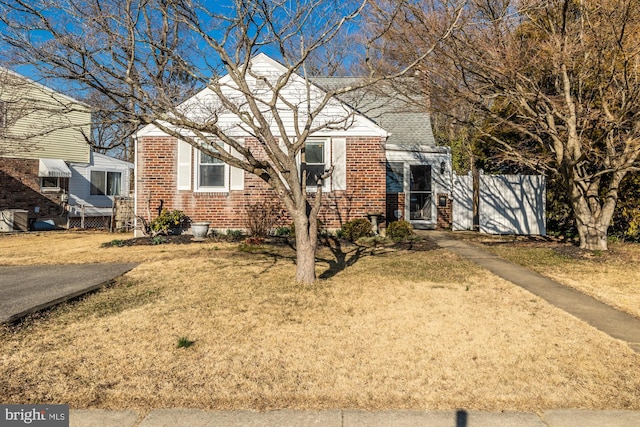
(306, 242)
(593, 235)
(592, 226)
(593, 213)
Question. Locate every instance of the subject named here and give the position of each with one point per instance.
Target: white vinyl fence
(509, 204)
(462, 207)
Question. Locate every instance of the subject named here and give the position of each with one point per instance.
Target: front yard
(395, 328)
(612, 277)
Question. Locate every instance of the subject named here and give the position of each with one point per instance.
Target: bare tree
(144, 57)
(562, 75)
(109, 133)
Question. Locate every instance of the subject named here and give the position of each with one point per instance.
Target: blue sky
(211, 5)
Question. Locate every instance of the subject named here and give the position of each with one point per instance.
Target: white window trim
(122, 183)
(339, 164)
(326, 185)
(55, 189)
(236, 175)
(196, 175)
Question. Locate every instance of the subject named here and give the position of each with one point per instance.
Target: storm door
(420, 197)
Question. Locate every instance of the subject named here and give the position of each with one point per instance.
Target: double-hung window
(104, 183)
(315, 161)
(212, 173)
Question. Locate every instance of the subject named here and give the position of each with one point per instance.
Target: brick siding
(395, 202)
(20, 189)
(444, 212)
(157, 188)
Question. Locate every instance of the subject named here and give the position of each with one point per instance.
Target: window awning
(54, 168)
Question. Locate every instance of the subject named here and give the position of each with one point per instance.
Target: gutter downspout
(135, 186)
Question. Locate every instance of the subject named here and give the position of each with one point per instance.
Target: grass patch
(533, 256)
(125, 296)
(184, 342)
(159, 240)
(390, 329)
(116, 242)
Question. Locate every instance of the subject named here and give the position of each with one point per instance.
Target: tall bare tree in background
(109, 133)
(561, 76)
(144, 57)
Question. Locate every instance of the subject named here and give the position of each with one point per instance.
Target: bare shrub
(261, 218)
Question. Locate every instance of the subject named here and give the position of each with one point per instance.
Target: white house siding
(343, 120)
(54, 125)
(80, 181)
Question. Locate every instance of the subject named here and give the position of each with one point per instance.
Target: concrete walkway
(352, 418)
(599, 315)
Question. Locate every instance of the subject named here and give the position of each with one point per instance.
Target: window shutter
(184, 166)
(339, 163)
(237, 174)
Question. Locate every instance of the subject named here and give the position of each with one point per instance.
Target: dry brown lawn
(395, 329)
(612, 277)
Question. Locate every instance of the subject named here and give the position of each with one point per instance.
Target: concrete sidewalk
(353, 418)
(599, 315)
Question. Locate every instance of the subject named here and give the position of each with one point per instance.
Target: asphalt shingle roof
(399, 110)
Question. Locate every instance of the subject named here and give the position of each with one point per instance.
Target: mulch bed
(187, 239)
(565, 247)
(174, 239)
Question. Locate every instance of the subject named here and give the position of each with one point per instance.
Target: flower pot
(199, 230)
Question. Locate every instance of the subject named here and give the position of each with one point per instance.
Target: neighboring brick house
(393, 169)
(47, 168)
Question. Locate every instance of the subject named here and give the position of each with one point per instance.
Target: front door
(420, 196)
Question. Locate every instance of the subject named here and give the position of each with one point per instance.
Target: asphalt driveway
(27, 289)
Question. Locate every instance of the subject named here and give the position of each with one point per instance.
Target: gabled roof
(362, 125)
(112, 161)
(400, 111)
(43, 88)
